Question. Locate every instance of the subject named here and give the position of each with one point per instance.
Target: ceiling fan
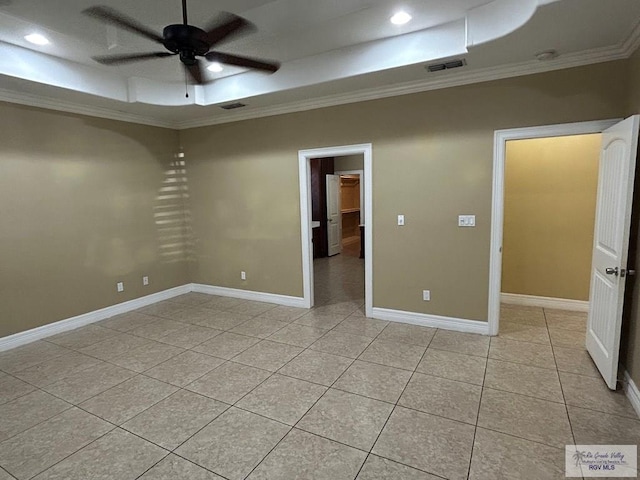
(185, 40)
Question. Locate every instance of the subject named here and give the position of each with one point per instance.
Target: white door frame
(501, 137)
(304, 169)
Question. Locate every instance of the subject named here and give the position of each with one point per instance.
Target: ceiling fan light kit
(186, 41)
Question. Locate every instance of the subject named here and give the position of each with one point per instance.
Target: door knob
(612, 271)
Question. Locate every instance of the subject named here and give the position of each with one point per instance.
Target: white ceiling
(332, 51)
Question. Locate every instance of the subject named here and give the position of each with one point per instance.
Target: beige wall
(634, 84)
(349, 162)
(432, 160)
(77, 202)
(549, 214)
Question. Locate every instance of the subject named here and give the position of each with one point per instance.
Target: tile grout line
(42, 387)
(271, 374)
(332, 386)
(35, 388)
(234, 404)
(7, 472)
(564, 398)
(39, 423)
(557, 402)
(169, 451)
(475, 430)
(397, 400)
(314, 403)
(182, 458)
(179, 388)
(81, 448)
(537, 442)
(184, 349)
(72, 405)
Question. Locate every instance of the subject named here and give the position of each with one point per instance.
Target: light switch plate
(401, 220)
(466, 220)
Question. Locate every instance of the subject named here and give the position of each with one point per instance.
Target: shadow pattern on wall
(172, 215)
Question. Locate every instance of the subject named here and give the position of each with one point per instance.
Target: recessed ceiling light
(215, 67)
(401, 18)
(37, 39)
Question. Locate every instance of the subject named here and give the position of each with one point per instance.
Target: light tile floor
(205, 388)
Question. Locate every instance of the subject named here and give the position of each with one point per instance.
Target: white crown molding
(465, 77)
(49, 103)
(632, 43)
(436, 82)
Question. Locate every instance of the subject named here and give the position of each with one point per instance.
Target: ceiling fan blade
(242, 61)
(227, 26)
(118, 59)
(109, 15)
(195, 71)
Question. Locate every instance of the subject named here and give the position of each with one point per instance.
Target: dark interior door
(320, 168)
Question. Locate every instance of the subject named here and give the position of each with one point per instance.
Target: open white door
(611, 244)
(334, 217)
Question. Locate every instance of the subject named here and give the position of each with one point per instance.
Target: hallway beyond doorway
(339, 279)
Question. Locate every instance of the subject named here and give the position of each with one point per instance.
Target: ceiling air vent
(437, 67)
(232, 106)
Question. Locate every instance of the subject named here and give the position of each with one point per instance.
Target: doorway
(354, 221)
(617, 160)
(338, 275)
(497, 224)
(550, 193)
(352, 206)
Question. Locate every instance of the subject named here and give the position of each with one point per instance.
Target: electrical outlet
(426, 295)
(401, 220)
(466, 220)
(120, 286)
(145, 280)
(243, 275)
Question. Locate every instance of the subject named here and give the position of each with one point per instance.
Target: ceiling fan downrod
(184, 12)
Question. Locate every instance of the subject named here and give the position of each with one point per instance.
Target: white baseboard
(422, 319)
(633, 394)
(22, 338)
(249, 295)
(38, 333)
(544, 302)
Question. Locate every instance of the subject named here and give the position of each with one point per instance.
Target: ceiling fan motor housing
(186, 40)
